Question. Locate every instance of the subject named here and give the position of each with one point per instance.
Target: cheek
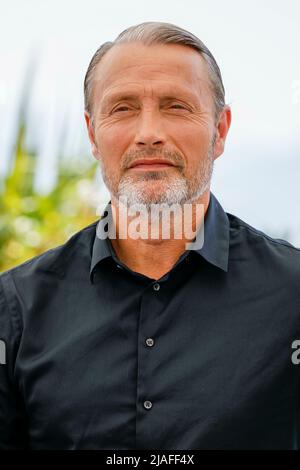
(192, 140)
(113, 141)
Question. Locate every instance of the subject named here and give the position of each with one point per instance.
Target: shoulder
(255, 246)
(238, 225)
(27, 288)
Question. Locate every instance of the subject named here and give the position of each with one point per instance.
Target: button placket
(150, 306)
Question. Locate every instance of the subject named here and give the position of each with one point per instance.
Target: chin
(155, 190)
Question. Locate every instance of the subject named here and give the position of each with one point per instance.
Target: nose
(149, 131)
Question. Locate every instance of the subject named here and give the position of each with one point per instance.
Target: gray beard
(176, 189)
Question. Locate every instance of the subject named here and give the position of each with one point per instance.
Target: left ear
(222, 129)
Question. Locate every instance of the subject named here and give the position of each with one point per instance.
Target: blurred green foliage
(31, 223)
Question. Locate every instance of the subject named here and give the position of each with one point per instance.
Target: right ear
(89, 124)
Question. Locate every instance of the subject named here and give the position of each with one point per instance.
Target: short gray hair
(152, 32)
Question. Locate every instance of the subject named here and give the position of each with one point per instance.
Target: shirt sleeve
(13, 433)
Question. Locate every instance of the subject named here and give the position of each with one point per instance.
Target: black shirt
(101, 357)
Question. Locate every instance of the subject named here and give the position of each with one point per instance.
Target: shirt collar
(216, 235)
(215, 248)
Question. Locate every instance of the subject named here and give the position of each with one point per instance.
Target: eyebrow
(119, 96)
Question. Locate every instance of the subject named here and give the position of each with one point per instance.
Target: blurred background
(50, 184)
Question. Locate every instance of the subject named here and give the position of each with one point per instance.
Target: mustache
(172, 157)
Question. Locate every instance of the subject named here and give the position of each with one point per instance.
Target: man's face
(155, 102)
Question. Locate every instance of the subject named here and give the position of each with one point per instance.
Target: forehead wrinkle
(159, 70)
(116, 70)
(111, 66)
(125, 59)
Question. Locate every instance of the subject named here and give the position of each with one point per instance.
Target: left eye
(178, 106)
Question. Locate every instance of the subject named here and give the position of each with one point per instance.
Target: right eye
(120, 108)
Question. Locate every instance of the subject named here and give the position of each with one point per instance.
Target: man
(154, 342)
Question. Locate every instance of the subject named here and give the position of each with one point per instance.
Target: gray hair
(150, 33)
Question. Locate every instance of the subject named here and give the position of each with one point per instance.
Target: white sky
(256, 44)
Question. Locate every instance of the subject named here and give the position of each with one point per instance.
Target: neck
(162, 243)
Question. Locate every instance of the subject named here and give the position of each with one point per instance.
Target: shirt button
(156, 286)
(149, 341)
(147, 404)
(120, 267)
